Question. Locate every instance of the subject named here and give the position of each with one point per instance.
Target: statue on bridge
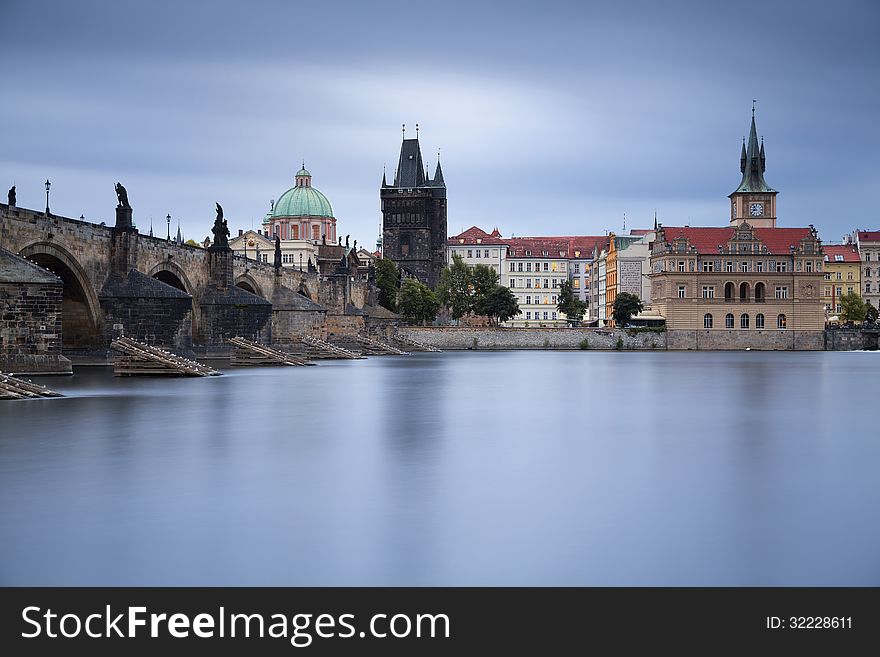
(277, 254)
(11, 196)
(220, 230)
(122, 195)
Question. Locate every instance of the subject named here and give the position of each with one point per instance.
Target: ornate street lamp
(168, 219)
(48, 185)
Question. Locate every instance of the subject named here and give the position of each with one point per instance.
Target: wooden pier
(317, 348)
(140, 359)
(376, 347)
(12, 387)
(413, 345)
(254, 353)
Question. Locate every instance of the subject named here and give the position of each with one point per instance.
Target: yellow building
(842, 276)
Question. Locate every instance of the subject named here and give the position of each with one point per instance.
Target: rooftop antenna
(624, 222)
(753, 107)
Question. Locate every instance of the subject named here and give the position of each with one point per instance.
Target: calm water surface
(556, 468)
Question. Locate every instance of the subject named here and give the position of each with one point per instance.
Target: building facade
(868, 243)
(414, 216)
(301, 213)
(842, 276)
(477, 247)
(732, 286)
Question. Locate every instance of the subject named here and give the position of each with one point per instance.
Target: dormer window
(479, 240)
(838, 258)
(528, 253)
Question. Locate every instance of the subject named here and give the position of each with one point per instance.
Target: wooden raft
(254, 353)
(376, 347)
(14, 388)
(317, 348)
(413, 345)
(140, 359)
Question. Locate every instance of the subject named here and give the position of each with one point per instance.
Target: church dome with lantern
(302, 212)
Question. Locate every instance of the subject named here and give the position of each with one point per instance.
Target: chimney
(240, 232)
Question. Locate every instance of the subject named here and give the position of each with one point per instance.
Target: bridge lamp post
(48, 185)
(168, 219)
(300, 260)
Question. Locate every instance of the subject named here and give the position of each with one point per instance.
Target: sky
(551, 118)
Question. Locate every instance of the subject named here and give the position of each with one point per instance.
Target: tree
(625, 306)
(192, 242)
(569, 304)
(417, 302)
(500, 304)
(853, 308)
(387, 280)
(484, 280)
(454, 288)
(870, 313)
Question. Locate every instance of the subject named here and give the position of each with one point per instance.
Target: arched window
(744, 321)
(760, 292)
(707, 320)
(295, 231)
(728, 320)
(728, 291)
(759, 321)
(868, 272)
(743, 292)
(780, 322)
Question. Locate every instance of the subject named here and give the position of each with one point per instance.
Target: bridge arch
(170, 273)
(247, 283)
(80, 310)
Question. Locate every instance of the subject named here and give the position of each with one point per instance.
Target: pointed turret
(752, 164)
(438, 176)
(179, 238)
(763, 157)
(384, 181)
(742, 158)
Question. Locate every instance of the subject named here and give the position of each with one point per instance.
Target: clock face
(756, 209)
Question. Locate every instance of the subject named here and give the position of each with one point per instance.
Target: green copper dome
(302, 201)
(303, 172)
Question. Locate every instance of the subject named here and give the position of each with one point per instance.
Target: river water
(471, 468)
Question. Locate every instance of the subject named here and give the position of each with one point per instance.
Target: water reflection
(456, 468)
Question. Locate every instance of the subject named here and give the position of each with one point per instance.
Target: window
(827, 292)
(707, 320)
(849, 290)
(759, 321)
(316, 232)
(554, 315)
(556, 282)
(708, 265)
(809, 265)
(838, 309)
(744, 321)
(528, 315)
(849, 275)
(528, 266)
(296, 232)
(512, 283)
(839, 276)
(553, 301)
(728, 291)
(728, 266)
(577, 268)
(547, 268)
(470, 253)
(838, 258)
(681, 291)
(512, 267)
(759, 266)
(728, 320)
(839, 290)
(486, 253)
(576, 283)
(868, 273)
(545, 315)
(744, 266)
(681, 265)
(867, 288)
(827, 276)
(546, 283)
(519, 267)
(780, 322)
(528, 282)
(708, 291)
(528, 299)
(782, 292)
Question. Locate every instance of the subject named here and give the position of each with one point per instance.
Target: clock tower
(754, 201)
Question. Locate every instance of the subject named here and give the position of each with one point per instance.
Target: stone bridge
(190, 299)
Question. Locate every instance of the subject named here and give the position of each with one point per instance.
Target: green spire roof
(752, 164)
(303, 172)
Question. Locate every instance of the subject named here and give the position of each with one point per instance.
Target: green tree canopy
(192, 242)
(454, 288)
(500, 304)
(870, 313)
(387, 280)
(569, 304)
(417, 302)
(852, 307)
(625, 306)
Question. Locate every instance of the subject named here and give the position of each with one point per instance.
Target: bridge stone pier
(187, 299)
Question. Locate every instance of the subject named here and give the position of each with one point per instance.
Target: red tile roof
(472, 234)
(640, 231)
(849, 252)
(869, 236)
(566, 244)
(706, 240)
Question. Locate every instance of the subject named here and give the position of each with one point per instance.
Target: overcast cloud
(552, 117)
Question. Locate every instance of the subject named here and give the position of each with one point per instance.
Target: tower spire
(752, 163)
